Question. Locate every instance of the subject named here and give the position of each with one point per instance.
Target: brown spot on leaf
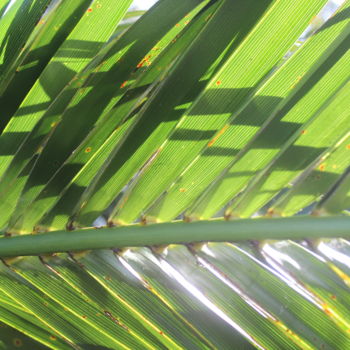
(327, 310)
(270, 212)
(17, 342)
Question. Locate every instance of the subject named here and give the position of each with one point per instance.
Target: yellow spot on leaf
(296, 81)
(213, 140)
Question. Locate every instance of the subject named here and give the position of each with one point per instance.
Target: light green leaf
(216, 105)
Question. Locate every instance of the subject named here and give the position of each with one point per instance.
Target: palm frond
(178, 125)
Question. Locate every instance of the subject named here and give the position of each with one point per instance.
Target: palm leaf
(178, 125)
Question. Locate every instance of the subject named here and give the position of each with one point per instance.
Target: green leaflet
(101, 329)
(50, 313)
(204, 300)
(315, 182)
(16, 27)
(127, 162)
(224, 95)
(75, 275)
(215, 44)
(7, 302)
(334, 251)
(108, 269)
(29, 329)
(317, 138)
(3, 6)
(300, 107)
(11, 197)
(338, 197)
(93, 29)
(48, 35)
(70, 56)
(300, 312)
(11, 338)
(123, 114)
(330, 293)
(120, 62)
(244, 124)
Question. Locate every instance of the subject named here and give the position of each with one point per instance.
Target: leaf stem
(297, 227)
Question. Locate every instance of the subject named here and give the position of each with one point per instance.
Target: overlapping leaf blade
(11, 338)
(40, 101)
(16, 26)
(177, 93)
(125, 114)
(93, 117)
(52, 29)
(266, 284)
(290, 119)
(330, 291)
(317, 139)
(196, 292)
(58, 72)
(223, 145)
(314, 182)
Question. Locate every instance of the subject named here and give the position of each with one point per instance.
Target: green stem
(298, 227)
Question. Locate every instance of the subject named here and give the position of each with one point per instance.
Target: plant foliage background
(194, 110)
